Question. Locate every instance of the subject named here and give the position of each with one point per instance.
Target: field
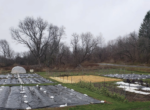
(86, 78)
(92, 83)
(116, 98)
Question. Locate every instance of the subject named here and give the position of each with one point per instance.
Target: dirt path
(109, 64)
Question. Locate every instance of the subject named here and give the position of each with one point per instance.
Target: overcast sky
(111, 18)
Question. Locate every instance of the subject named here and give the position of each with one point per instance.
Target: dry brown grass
(87, 64)
(138, 69)
(1, 71)
(89, 78)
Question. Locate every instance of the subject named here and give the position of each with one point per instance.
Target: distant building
(18, 69)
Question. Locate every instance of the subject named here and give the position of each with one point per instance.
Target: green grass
(112, 103)
(146, 80)
(93, 72)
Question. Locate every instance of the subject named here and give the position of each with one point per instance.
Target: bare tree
(5, 49)
(83, 47)
(36, 34)
(88, 45)
(127, 46)
(53, 46)
(76, 46)
(144, 49)
(64, 55)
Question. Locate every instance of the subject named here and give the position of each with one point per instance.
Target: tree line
(45, 45)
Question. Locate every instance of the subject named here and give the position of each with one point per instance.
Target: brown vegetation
(89, 78)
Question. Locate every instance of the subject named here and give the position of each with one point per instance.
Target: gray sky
(111, 18)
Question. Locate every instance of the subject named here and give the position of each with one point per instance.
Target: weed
(102, 90)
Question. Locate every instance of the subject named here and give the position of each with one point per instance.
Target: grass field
(98, 72)
(112, 103)
(86, 78)
(92, 76)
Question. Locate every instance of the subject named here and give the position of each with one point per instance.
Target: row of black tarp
(21, 75)
(25, 81)
(22, 79)
(28, 97)
(129, 76)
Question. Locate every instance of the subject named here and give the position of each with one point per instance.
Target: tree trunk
(39, 62)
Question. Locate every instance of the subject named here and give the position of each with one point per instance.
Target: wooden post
(124, 92)
(104, 82)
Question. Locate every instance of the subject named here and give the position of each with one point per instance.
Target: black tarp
(25, 78)
(39, 97)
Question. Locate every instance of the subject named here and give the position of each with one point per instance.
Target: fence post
(104, 82)
(124, 92)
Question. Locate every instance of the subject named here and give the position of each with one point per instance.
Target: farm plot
(135, 88)
(129, 76)
(22, 79)
(132, 92)
(89, 78)
(28, 97)
(20, 75)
